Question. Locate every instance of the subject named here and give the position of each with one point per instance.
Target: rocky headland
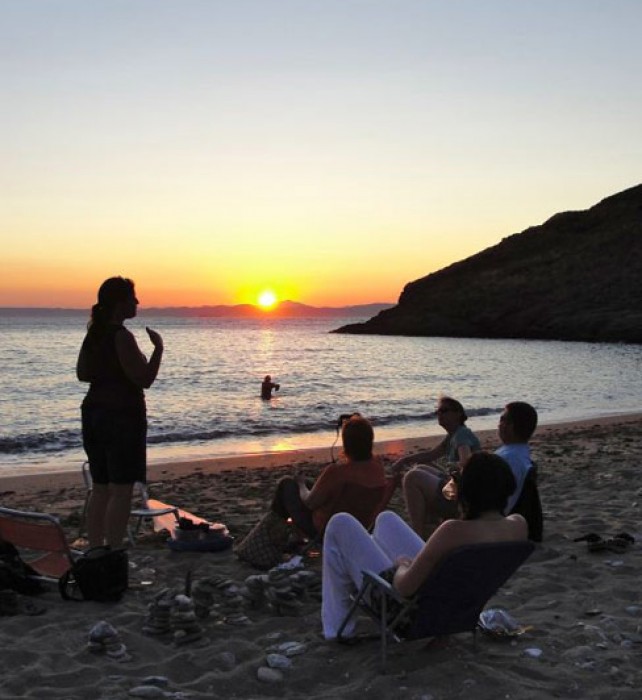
(575, 277)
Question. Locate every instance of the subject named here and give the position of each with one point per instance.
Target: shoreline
(20, 479)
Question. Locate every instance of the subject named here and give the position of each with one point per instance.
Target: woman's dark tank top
(109, 385)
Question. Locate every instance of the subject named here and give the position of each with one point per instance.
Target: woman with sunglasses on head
(114, 418)
(423, 484)
(485, 484)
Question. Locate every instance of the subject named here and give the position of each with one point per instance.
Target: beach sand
(582, 608)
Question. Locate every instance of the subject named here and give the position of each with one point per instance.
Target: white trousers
(348, 549)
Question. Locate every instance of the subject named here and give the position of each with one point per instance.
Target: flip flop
(620, 543)
(629, 539)
(590, 537)
(598, 546)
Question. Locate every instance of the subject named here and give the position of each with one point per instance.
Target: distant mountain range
(578, 276)
(286, 309)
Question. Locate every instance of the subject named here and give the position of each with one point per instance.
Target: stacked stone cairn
(103, 638)
(284, 590)
(158, 622)
(185, 627)
(221, 595)
(173, 615)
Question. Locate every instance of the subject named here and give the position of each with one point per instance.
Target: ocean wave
(53, 441)
(60, 441)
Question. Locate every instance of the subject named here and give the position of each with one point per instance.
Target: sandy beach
(582, 609)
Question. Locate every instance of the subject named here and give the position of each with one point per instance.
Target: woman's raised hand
(155, 337)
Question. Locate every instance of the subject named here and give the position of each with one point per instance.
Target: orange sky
(331, 155)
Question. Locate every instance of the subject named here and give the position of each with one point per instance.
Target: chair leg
(82, 527)
(384, 633)
(353, 608)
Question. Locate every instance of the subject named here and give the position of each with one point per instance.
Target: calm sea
(206, 402)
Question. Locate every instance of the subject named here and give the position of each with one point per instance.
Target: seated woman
(423, 484)
(356, 486)
(485, 484)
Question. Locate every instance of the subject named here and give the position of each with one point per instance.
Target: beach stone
(159, 681)
(147, 691)
(101, 631)
(292, 648)
(238, 620)
(227, 659)
(533, 652)
(269, 675)
(580, 652)
(278, 661)
(633, 610)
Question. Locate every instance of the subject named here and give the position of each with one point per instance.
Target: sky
(327, 150)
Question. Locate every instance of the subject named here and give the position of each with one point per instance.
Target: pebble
(159, 681)
(633, 610)
(278, 661)
(291, 648)
(269, 675)
(227, 659)
(533, 652)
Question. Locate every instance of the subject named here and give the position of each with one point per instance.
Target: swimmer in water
(266, 387)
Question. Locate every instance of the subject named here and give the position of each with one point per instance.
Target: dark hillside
(578, 276)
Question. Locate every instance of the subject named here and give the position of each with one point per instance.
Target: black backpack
(100, 574)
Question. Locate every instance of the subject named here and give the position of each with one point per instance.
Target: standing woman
(114, 416)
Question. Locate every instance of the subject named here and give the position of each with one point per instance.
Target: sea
(205, 402)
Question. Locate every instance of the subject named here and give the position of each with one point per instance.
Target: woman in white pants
(484, 486)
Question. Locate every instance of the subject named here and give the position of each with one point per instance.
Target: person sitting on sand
(485, 484)
(423, 484)
(356, 486)
(266, 388)
(516, 427)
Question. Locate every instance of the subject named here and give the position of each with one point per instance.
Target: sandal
(591, 537)
(598, 545)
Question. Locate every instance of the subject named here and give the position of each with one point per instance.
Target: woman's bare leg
(420, 487)
(96, 514)
(117, 515)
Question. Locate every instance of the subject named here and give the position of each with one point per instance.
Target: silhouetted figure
(266, 387)
(114, 417)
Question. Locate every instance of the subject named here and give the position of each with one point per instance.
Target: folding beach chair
(40, 538)
(146, 510)
(449, 601)
(529, 506)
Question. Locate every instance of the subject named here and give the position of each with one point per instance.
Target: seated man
(516, 427)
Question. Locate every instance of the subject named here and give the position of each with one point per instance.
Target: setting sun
(267, 299)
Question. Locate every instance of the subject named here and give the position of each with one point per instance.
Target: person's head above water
(268, 378)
